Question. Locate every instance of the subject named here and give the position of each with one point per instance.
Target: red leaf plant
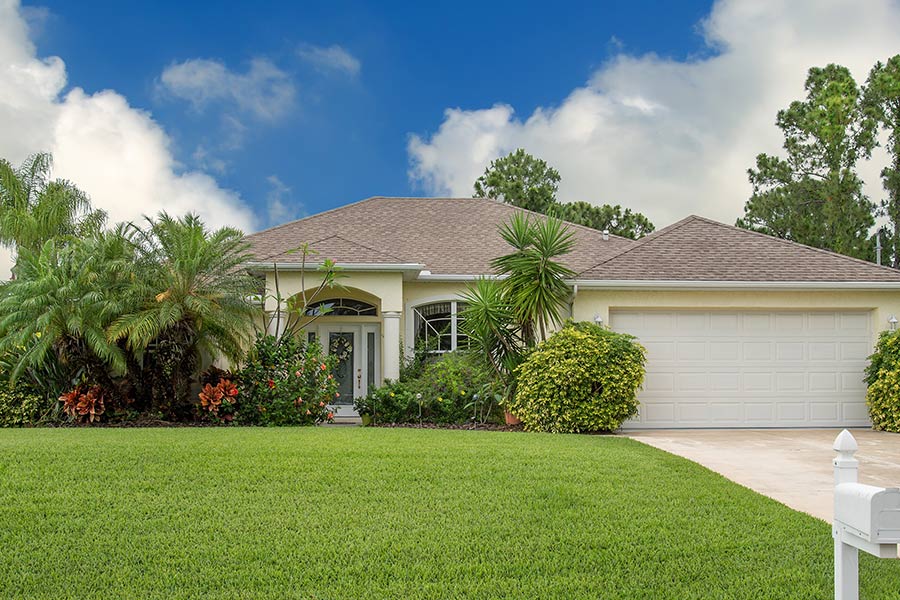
(84, 403)
(213, 396)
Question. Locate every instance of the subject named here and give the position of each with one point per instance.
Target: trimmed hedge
(584, 378)
(883, 379)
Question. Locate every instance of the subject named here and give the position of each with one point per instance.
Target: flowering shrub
(286, 382)
(584, 378)
(84, 403)
(883, 379)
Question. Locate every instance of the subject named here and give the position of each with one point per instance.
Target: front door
(356, 348)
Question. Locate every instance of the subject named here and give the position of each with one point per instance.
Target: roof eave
(642, 284)
(346, 266)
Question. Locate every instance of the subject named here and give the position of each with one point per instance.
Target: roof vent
(605, 234)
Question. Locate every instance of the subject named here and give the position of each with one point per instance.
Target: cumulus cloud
(330, 58)
(116, 153)
(672, 137)
(264, 90)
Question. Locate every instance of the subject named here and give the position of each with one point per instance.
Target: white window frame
(412, 310)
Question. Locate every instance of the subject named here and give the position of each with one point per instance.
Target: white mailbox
(868, 512)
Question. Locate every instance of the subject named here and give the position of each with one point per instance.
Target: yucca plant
(196, 302)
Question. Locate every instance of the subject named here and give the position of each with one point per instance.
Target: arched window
(341, 307)
(437, 326)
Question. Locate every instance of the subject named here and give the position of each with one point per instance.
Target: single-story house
(741, 329)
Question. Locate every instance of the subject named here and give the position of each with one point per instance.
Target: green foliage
(521, 180)
(814, 196)
(21, 406)
(530, 183)
(883, 379)
(584, 378)
(34, 209)
(192, 300)
(881, 99)
(285, 382)
(615, 219)
(505, 316)
(452, 389)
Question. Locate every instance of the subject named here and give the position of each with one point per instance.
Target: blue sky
(345, 135)
(251, 114)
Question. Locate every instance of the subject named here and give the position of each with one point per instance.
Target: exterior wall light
(893, 321)
(599, 320)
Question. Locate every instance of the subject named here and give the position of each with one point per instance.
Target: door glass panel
(341, 344)
(370, 360)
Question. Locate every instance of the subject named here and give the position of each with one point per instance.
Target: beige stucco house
(741, 329)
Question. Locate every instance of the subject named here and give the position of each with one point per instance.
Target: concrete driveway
(792, 466)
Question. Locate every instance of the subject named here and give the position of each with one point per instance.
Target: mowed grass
(378, 513)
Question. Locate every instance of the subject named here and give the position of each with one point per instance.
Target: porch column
(390, 359)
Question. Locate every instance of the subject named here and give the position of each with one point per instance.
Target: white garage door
(749, 368)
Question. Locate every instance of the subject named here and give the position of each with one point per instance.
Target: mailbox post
(865, 518)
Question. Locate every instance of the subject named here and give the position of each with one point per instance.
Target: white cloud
(673, 137)
(331, 58)
(280, 207)
(264, 90)
(116, 153)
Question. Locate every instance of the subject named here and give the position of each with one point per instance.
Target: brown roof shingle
(455, 236)
(698, 249)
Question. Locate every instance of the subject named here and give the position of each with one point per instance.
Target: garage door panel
(750, 368)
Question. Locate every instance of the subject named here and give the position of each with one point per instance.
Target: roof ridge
(537, 214)
(798, 244)
(644, 241)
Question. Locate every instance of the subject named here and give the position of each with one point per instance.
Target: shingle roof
(448, 235)
(698, 249)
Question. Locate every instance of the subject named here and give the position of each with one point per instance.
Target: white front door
(357, 347)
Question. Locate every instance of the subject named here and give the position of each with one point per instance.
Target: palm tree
(34, 209)
(196, 302)
(55, 313)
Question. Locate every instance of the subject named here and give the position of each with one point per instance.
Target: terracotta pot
(511, 419)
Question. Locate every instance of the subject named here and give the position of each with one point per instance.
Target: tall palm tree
(196, 302)
(34, 208)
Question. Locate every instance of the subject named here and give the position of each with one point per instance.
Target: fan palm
(196, 301)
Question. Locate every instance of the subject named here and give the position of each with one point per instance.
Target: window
(437, 326)
(341, 307)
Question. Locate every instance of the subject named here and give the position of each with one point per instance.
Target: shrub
(393, 402)
(584, 378)
(286, 382)
(21, 406)
(443, 393)
(883, 379)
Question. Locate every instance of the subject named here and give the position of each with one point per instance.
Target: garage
(745, 368)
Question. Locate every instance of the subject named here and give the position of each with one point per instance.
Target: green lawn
(379, 513)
